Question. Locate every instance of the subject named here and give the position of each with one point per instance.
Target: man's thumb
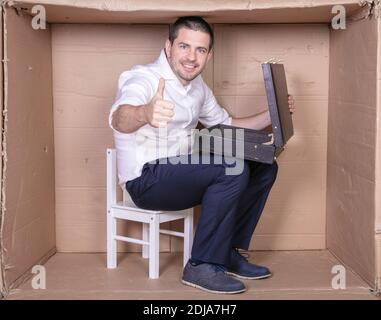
(160, 88)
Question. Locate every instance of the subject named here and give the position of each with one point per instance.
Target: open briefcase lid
(277, 98)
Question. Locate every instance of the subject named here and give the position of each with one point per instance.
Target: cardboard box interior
(59, 84)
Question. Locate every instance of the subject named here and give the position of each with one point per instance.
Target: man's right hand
(159, 111)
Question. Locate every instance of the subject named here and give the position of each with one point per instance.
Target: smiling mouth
(189, 67)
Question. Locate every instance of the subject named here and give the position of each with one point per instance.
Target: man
(170, 94)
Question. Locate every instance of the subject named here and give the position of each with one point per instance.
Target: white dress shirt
(194, 102)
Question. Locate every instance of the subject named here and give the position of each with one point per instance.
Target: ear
(210, 53)
(168, 47)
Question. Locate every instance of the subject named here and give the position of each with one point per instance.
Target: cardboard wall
(351, 146)
(87, 60)
(294, 217)
(378, 162)
(28, 233)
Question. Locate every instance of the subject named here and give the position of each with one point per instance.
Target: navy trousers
(231, 205)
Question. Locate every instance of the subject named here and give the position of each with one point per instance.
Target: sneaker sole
(248, 278)
(211, 291)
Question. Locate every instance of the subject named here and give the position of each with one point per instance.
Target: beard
(188, 77)
(186, 74)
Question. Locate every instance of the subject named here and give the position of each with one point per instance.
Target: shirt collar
(167, 73)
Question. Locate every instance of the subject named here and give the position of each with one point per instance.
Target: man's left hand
(291, 105)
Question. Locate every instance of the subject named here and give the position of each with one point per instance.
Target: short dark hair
(194, 23)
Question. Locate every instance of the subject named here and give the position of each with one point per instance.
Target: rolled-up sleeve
(211, 112)
(133, 90)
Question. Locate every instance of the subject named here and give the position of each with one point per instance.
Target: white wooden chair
(127, 210)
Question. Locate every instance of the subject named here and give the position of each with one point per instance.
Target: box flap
(215, 11)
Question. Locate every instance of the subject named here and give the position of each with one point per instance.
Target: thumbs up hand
(159, 111)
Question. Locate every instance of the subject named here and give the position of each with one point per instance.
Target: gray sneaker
(211, 278)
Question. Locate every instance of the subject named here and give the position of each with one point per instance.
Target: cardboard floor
(296, 275)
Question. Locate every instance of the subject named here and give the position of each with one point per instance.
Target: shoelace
(243, 254)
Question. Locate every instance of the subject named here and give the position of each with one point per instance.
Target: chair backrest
(112, 176)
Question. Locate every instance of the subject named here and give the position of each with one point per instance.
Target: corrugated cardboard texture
(351, 146)
(378, 163)
(173, 5)
(162, 11)
(2, 284)
(29, 222)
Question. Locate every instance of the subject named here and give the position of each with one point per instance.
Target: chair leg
(154, 246)
(188, 236)
(111, 242)
(145, 250)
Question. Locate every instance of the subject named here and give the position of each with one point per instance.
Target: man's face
(188, 54)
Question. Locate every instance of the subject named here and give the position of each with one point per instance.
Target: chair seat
(130, 204)
(150, 219)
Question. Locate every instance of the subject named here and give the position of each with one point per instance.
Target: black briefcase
(249, 144)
